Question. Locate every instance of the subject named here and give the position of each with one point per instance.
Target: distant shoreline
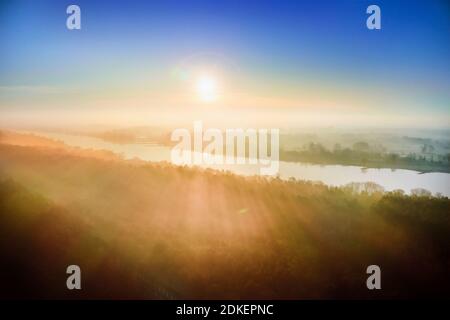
(363, 167)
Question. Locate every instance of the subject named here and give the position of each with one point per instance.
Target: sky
(291, 63)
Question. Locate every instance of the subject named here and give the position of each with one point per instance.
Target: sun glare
(207, 89)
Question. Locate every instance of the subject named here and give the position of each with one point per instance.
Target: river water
(334, 175)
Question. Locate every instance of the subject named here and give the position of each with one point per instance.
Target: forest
(157, 231)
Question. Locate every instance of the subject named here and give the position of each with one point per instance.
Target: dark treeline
(362, 155)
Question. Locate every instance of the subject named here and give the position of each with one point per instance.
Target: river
(333, 175)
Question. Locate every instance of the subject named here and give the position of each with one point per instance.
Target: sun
(206, 87)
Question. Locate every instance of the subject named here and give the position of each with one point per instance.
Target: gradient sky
(295, 62)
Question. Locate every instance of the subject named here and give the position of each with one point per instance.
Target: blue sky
(316, 46)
